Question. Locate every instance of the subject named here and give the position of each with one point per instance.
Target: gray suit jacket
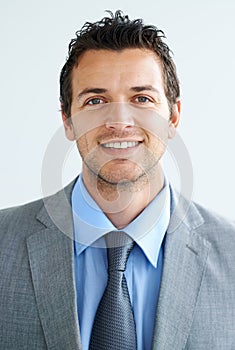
(196, 307)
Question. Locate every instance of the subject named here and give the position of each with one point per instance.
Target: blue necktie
(114, 325)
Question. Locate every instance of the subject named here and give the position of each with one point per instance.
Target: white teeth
(125, 144)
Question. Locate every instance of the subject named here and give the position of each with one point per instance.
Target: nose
(119, 117)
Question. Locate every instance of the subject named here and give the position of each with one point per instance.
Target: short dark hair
(118, 32)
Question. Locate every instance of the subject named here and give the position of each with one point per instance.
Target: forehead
(132, 66)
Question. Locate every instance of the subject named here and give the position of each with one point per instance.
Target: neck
(122, 203)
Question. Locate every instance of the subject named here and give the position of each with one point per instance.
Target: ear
(174, 120)
(68, 126)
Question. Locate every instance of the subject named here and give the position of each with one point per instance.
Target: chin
(121, 178)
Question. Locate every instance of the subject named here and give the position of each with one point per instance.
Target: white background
(34, 36)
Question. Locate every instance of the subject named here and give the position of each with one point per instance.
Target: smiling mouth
(121, 145)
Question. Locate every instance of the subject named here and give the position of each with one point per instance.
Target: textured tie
(114, 326)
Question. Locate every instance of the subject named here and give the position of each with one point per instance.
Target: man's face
(119, 114)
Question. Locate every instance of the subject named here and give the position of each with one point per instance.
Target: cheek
(157, 134)
(82, 146)
(154, 124)
(89, 121)
(157, 144)
(86, 143)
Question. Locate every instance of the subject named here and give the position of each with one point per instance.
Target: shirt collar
(91, 224)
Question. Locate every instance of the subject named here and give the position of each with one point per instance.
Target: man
(60, 285)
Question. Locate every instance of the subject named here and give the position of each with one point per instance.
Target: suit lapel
(185, 256)
(51, 261)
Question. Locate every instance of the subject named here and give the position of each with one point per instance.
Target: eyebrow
(102, 90)
(91, 90)
(144, 87)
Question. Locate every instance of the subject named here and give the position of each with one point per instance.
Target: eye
(94, 101)
(142, 99)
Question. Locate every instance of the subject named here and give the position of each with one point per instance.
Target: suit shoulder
(18, 221)
(213, 218)
(216, 228)
(18, 211)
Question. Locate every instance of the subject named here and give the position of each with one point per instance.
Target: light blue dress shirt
(144, 266)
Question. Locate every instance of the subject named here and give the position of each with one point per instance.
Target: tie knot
(119, 246)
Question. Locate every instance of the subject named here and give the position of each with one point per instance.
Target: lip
(120, 152)
(120, 145)
(120, 140)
